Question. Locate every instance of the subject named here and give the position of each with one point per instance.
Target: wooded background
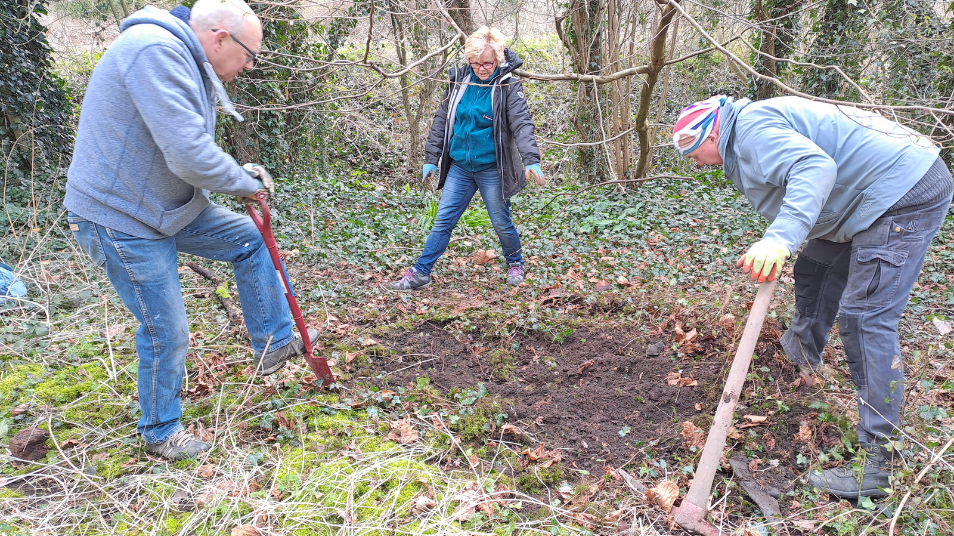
(352, 85)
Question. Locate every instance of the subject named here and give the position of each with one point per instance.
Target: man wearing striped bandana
(862, 197)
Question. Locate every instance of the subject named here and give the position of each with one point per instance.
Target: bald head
(230, 35)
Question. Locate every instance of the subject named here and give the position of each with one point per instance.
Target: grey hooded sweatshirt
(145, 158)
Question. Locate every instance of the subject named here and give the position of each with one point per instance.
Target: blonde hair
(483, 39)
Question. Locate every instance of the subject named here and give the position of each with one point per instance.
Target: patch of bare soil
(599, 396)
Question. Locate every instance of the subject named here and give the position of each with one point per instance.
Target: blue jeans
(869, 280)
(459, 189)
(144, 274)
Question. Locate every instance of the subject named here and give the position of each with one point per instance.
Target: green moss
(21, 377)
(503, 364)
(70, 383)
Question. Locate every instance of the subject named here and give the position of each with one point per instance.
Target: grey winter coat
(515, 145)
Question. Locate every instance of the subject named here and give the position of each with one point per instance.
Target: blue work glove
(262, 177)
(428, 169)
(764, 259)
(537, 174)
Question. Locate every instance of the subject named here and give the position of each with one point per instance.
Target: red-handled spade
(264, 223)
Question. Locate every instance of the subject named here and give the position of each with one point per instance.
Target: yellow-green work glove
(764, 259)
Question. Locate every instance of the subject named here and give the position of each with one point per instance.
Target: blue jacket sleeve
(784, 159)
(165, 92)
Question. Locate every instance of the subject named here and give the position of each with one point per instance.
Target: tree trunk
(657, 60)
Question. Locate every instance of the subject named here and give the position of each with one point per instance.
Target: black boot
(869, 475)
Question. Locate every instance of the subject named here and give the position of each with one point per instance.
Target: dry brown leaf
(554, 457)
(621, 280)
(535, 454)
(509, 429)
(727, 322)
(484, 256)
(693, 435)
(21, 409)
(805, 524)
(754, 465)
(246, 530)
(804, 432)
(698, 406)
(403, 432)
(587, 520)
(665, 494)
(734, 434)
(585, 366)
(468, 497)
(769, 440)
(602, 285)
(207, 471)
(615, 515)
(422, 504)
(749, 531)
(369, 342)
(755, 418)
(202, 500)
(350, 356)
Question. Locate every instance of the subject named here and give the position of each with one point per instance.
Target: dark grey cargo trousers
(869, 280)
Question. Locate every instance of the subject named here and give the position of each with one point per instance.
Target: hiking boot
(275, 359)
(180, 446)
(515, 275)
(869, 475)
(412, 280)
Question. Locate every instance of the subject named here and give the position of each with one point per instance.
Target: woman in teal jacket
(869, 195)
(481, 140)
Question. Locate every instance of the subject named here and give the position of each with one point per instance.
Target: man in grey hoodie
(862, 197)
(138, 193)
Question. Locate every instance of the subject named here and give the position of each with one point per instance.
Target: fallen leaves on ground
(402, 431)
(804, 432)
(676, 378)
(422, 504)
(540, 454)
(586, 365)
(484, 256)
(754, 420)
(246, 530)
(728, 322)
(509, 429)
(21, 409)
(664, 494)
(693, 435)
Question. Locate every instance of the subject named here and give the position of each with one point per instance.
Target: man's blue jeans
(144, 274)
(459, 189)
(870, 280)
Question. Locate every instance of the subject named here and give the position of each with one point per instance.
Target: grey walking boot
(275, 359)
(515, 275)
(180, 446)
(869, 475)
(412, 280)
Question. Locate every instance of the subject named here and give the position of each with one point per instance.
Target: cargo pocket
(878, 275)
(84, 232)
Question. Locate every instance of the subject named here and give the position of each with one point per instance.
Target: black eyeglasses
(485, 65)
(250, 56)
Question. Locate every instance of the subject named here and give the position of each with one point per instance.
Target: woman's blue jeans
(459, 189)
(144, 274)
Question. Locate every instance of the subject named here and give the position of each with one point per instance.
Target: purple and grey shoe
(515, 275)
(412, 280)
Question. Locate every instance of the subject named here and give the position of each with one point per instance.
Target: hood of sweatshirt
(182, 31)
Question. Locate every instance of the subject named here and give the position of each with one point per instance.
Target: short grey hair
(483, 39)
(224, 14)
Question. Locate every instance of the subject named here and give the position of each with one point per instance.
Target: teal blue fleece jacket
(818, 170)
(145, 158)
(472, 146)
